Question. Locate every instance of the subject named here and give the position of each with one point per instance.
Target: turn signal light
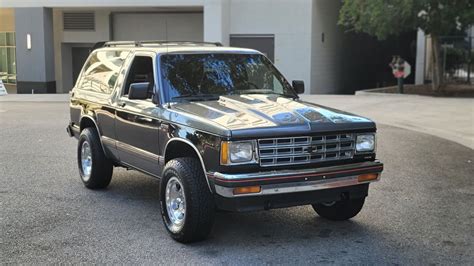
(367, 177)
(247, 190)
(225, 152)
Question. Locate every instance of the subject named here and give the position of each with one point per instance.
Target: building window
(7, 57)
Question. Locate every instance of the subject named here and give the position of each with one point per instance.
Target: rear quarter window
(101, 71)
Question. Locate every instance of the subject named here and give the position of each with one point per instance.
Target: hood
(270, 115)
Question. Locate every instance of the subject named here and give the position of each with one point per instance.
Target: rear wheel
(187, 205)
(339, 210)
(95, 168)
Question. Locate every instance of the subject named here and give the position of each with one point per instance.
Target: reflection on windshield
(195, 75)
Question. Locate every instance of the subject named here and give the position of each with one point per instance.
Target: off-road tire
(102, 167)
(340, 210)
(200, 208)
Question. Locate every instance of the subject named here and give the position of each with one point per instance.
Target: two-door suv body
(221, 128)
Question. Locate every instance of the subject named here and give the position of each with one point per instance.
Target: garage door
(264, 43)
(158, 26)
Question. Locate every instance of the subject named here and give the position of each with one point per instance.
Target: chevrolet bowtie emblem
(312, 149)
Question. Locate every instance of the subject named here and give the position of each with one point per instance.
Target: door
(136, 126)
(265, 43)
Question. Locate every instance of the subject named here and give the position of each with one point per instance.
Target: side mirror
(298, 85)
(138, 91)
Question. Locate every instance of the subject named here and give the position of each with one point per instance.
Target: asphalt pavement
(421, 212)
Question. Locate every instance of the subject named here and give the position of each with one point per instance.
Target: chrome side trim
(197, 152)
(296, 186)
(108, 141)
(296, 172)
(126, 165)
(137, 151)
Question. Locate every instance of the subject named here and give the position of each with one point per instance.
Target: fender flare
(197, 152)
(96, 127)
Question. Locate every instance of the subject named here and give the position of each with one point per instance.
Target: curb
(375, 92)
(64, 97)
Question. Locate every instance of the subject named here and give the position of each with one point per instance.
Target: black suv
(221, 128)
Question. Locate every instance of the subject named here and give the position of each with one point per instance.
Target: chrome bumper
(72, 130)
(300, 180)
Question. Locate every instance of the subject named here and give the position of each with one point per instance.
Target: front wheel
(339, 210)
(187, 205)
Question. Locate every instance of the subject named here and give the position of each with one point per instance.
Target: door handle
(122, 104)
(144, 119)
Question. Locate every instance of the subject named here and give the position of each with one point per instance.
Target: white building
(45, 42)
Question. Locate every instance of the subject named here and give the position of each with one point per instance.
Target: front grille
(301, 150)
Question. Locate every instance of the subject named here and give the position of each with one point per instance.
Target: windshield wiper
(196, 97)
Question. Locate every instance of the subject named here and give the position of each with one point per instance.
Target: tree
(382, 18)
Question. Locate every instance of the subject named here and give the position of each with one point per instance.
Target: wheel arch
(184, 146)
(88, 121)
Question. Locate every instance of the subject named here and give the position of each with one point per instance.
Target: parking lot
(420, 212)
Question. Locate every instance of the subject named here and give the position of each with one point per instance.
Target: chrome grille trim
(300, 150)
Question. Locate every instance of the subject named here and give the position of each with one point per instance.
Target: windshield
(208, 76)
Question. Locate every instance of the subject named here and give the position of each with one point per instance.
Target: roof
(174, 47)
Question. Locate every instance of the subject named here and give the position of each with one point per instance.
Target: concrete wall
(35, 66)
(217, 21)
(326, 55)
(101, 32)
(158, 26)
(291, 25)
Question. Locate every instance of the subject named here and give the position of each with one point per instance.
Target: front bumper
(72, 130)
(293, 187)
(266, 202)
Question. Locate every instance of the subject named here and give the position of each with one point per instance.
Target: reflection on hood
(262, 111)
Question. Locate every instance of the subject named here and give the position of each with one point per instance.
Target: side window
(141, 70)
(101, 71)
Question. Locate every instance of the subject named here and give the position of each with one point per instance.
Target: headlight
(237, 152)
(365, 142)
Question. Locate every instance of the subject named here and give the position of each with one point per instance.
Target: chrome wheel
(86, 161)
(175, 204)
